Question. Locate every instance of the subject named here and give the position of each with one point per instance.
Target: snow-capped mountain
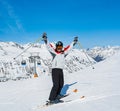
(101, 53)
(11, 68)
(9, 50)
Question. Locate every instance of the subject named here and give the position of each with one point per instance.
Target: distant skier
(58, 53)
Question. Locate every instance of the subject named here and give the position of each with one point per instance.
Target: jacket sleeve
(50, 48)
(68, 48)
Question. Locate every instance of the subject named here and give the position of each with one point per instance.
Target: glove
(75, 40)
(44, 36)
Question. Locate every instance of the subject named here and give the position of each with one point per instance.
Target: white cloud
(11, 28)
(16, 24)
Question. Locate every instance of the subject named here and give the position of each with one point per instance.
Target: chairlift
(23, 63)
(38, 63)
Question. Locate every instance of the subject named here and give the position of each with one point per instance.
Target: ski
(66, 101)
(45, 106)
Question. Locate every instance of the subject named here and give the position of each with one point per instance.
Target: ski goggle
(59, 47)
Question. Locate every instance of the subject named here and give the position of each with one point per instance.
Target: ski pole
(38, 40)
(85, 54)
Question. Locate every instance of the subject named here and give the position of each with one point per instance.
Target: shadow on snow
(66, 87)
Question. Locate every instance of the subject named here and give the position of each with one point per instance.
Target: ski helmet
(59, 43)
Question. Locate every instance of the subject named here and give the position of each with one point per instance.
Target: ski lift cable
(85, 54)
(38, 40)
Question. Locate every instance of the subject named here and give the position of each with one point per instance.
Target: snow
(101, 53)
(12, 69)
(100, 86)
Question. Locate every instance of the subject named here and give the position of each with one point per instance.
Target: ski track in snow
(69, 102)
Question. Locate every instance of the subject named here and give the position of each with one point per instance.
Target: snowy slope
(8, 50)
(99, 86)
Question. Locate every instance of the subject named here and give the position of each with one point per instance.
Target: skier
(58, 53)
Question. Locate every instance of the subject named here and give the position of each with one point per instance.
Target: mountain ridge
(75, 61)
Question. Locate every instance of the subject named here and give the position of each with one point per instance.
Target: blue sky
(96, 22)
